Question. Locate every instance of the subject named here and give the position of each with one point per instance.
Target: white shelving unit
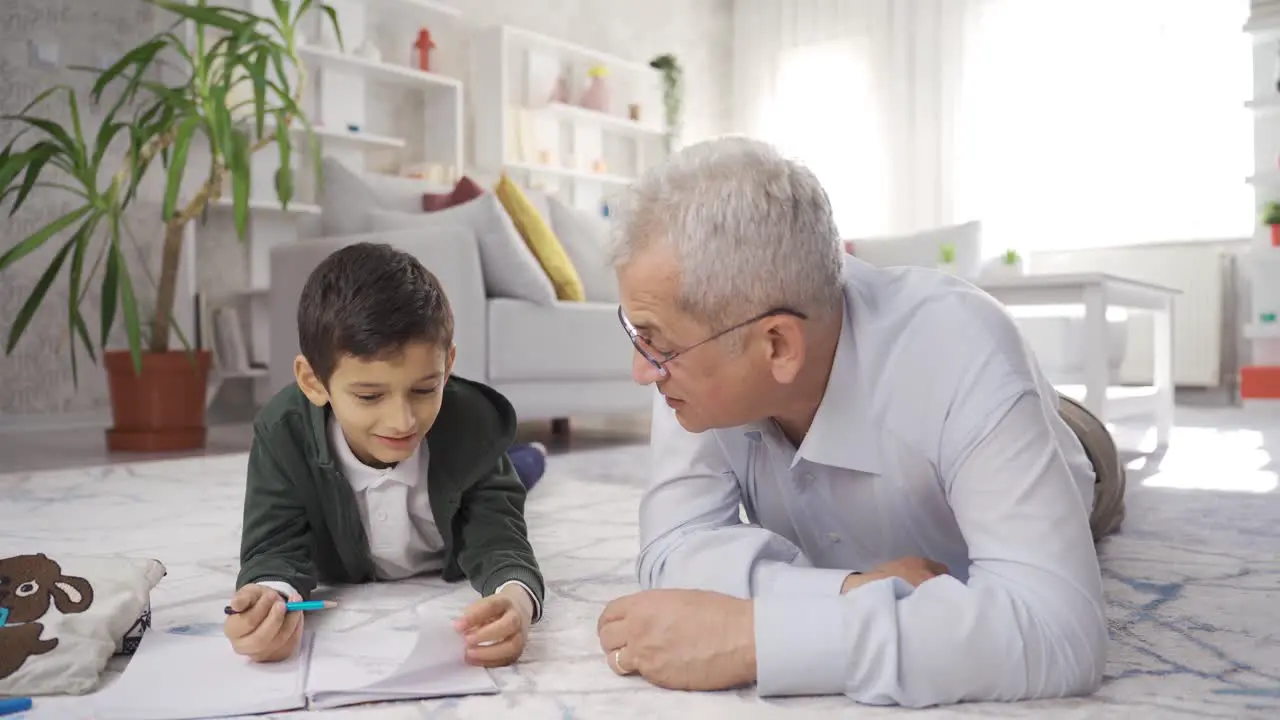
(1262, 321)
(548, 140)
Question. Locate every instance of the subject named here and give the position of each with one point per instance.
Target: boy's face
(385, 407)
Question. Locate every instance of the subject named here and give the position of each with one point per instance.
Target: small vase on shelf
(596, 96)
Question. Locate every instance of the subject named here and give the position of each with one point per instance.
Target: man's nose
(643, 371)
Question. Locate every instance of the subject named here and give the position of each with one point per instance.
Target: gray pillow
(585, 237)
(509, 266)
(347, 197)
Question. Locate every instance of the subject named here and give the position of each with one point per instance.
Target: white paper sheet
(175, 676)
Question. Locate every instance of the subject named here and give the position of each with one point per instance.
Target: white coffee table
(1097, 292)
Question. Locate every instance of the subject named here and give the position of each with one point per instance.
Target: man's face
(722, 383)
(384, 406)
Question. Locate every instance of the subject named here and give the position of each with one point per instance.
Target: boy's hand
(495, 628)
(914, 570)
(261, 629)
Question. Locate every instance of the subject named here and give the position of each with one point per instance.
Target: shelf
(1266, 178)
(605, 120)
(531, 39)
(424, 6)
(295, 208)
(603, 178)
(1262, 331)
(386, 72)
(1264, 106)
(1264, 29)
(354, 138)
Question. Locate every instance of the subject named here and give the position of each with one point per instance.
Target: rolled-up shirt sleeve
(691, 532)
(1029, 623)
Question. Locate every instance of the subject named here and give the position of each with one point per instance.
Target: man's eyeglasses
(659, 359)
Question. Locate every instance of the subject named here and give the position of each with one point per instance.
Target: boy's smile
(386, 405)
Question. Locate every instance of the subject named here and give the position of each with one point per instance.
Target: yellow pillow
(541, 240)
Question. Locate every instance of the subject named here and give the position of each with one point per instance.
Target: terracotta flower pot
(1275, 236)
(162, 409)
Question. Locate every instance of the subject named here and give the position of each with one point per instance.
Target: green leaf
(240, 177)
(140, 56)
(129, 305)
(15, 163)
(110, 286)
(333, 20)
(39, 237)
(173, 181)
(302, 10)
(32, 304)
(258, 72)
(282, 10)
(106, 133)
(284, 174)
(50, 128)
(212, 17)
(75, 321)
(43, 153)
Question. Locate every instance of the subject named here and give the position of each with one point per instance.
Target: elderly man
(917, 496)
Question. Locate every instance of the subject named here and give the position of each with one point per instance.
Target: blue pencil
(295, 606)
(10, 706)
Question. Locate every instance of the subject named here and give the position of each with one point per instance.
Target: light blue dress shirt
(937, 436)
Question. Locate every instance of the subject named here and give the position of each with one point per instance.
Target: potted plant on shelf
(947, 258)
(1271, 217)
(236, 96)
(672, 95)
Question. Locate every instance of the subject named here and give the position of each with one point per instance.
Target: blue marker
(10, 706)
(300, 605)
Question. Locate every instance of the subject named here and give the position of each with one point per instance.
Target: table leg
(1097, 366)
(1162, 336)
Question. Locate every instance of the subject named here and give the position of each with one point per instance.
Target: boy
(377, 465)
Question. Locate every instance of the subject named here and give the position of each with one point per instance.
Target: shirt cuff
(782, 579)
(279, 586)
(537, 606)
(802, 646)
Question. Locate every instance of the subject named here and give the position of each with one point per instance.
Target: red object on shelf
(424, 45)
(1260, 382)
(1275, 236)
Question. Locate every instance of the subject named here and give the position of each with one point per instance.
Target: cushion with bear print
(63, 616)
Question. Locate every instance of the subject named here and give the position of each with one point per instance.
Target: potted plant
(672, 95)
(1271, 217)
(947, 258)
(234, 98)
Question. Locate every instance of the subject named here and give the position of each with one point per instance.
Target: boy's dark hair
(369, 300)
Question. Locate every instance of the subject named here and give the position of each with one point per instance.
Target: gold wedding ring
(617, 662)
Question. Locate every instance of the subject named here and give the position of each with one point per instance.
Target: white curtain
(1057, 123)
(860, 91)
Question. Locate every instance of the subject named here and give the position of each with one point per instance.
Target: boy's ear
(309, 383)
(453, 353)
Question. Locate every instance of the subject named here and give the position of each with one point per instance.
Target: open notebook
(189, 677)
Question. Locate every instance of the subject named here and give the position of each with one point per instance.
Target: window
(1096, 122)
(822, 112)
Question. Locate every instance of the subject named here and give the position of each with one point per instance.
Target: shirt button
(382, 515)
(808, 477)
(834, 538)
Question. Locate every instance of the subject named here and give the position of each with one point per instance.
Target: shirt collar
(843, 433)
(361, 476)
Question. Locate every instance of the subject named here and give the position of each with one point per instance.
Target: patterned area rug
(1192, 582)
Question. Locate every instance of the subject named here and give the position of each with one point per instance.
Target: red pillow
(464, 191)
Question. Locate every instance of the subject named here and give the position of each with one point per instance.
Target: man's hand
(914, 570)
(261, 629)
(681, 639)
(496, 628)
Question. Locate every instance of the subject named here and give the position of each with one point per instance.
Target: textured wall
(36, 379)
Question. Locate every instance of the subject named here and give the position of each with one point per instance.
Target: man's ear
(784, 347)
(309, 383)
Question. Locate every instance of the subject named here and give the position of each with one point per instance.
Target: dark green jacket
(302, 524)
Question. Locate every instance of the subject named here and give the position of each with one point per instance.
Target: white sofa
(551, 359)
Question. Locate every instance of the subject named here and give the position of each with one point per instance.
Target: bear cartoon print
(29, 585)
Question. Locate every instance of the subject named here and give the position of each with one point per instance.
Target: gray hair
(752, 231)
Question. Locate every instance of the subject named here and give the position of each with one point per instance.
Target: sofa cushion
(347, 197)
(585, 237)
(561, 341)
(924, 248)
(509, 267)
(534, 227)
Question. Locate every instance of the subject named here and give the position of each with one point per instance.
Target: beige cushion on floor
(66, 616)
